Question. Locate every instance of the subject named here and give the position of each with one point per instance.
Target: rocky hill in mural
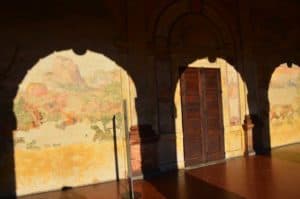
(59, 94)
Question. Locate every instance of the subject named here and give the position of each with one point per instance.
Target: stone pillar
(144, 152)
(248, 127)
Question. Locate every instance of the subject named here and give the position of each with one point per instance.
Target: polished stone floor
(275, 176)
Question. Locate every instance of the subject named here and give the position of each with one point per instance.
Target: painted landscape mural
(284, 97)
(68, 109)
(233, 96)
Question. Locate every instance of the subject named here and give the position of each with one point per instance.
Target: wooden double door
(203, 131)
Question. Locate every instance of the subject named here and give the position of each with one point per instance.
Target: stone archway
(70, 107)
(186, 38)
(19, 53)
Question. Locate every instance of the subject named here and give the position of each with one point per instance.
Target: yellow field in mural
(68, 109)
(284, 97)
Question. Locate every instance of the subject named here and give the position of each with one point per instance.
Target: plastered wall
(284, 97)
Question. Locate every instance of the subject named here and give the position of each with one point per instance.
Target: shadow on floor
(289, 153)
(109, 190)
(180, 185)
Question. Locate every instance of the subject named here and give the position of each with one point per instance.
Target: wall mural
(65, 109)
(233, 96)
(284, 97)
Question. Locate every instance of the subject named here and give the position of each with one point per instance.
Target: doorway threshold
(205, 164)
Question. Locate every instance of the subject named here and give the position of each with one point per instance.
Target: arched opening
(229, 137)
(70, 107)
(284, 101)
(198, 40)
(57, 108)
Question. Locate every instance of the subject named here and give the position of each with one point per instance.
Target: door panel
(214, 135)
(191, 117)
(202, 115)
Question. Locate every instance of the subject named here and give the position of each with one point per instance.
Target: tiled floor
(276, 177)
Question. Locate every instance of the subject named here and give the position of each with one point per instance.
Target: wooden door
(202, 115)
(191, 115)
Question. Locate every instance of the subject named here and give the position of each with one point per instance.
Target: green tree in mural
(113, 91)
(118, 120)
(106, 119)
(24, 119)
(99, 134)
